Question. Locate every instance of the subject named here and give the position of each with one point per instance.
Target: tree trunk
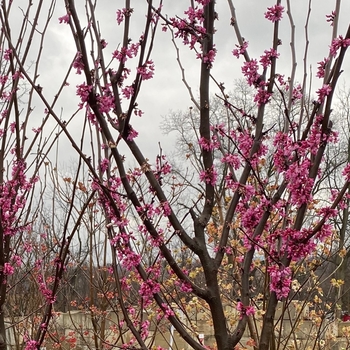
(2, 332)
(268, 324)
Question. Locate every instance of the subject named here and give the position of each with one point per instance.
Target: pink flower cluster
(124, 53)
(7, 54)
(148, 289)
(268, 56)
(208, 58)
(297, 93)
(346, 172)
(324, 91)
(83, 91)
(208, 145)
(45, 291)
(31, 345)
(132, 134)
(195, 14)
(104, 165)
(122, 13)
(232, 159)
(106, 101)
(190, 29)
(167, 310)
(8, 269)
(13, 199)
(245, 310)
(262, 96)
(209, 176)
(274, 13)
(146, 70)
(250, 71)
(241, 49)
(128, 92)
(64, 19)
(162, 168)
(337, 44)
(78, 63)
(280, 280)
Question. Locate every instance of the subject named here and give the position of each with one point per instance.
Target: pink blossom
(148, 289)
(282, 81)
(17, 75)
(300, 184)
(251, 217)
(126, 52)
(338, 43)
(325, 232)
(232, 159)
(266, 59)
(17, 260)
(128, 92)
(207, 145)
(106, 101)
(8, 269)
(132, 134)
(91, 117)
(191, 33)
(167, 310)
(244, 140)
(83, 91)
(145, 329)
(208, 58)
(323, 92)
(13, 127)
(64, 19)
(121, 14)
(250, 71)
(166, 168)
(262, 97)
(3, 79)
(280, 280)
(245, 310)
(297, 93)
(46, 292)
(128, 258)
(104, 164)
(321, 67)
(185, 287)
(7, 54)
(241, 49)
(195, 14)
(31, 345)
(274, 13)
(346, 172)
(209, 176)
(147, 70)
(78, 63)
(166, 208)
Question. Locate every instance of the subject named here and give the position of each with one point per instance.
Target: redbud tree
(241, 223)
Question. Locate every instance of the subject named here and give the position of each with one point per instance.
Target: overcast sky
(166, 92)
